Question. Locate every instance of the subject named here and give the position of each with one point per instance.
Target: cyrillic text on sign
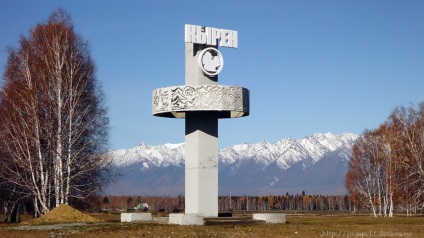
(211, 36)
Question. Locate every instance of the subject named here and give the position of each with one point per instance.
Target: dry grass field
(298, 225)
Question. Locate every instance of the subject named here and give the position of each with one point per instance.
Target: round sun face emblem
(211, 61)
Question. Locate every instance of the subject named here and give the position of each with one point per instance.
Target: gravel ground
(46, 227)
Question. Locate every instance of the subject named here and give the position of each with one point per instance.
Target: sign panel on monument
(210, 36)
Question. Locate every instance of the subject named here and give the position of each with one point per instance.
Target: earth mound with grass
(63, 214)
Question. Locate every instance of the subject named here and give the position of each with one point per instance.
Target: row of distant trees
(53, 121)
(155, 203)
(298, 202)
(386, 171)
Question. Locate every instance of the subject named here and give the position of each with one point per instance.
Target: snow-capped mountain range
(315, 164)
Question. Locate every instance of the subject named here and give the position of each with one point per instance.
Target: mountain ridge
(261, 168)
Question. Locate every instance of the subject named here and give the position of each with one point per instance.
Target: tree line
(298, 202)
(53, 121)
(386, 171)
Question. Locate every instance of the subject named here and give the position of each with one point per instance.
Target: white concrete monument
(201, 101)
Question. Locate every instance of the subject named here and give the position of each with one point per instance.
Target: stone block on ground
(186, 219)
(272, 218)
(135, 217)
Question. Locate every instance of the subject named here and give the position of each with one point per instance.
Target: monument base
(272, 218)
(186, 219)
(134, 217)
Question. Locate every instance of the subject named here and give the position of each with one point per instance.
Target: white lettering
(200, 36)
(190, 33)
(216, 34)
(208, 31)
(228, 38)
(211, 36)
(225, 38)
(234, 39)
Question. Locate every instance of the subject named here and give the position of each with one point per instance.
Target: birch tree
(21, 130)
(387, 165)
(409, 124)
(370, 176)
(54, 126)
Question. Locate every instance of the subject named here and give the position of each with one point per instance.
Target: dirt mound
(63, 214)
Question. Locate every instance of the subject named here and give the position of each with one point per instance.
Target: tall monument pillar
(201, 101)
(201, 140)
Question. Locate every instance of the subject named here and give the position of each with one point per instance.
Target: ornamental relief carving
(160, 100)
(200, 97)
(206, 97)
